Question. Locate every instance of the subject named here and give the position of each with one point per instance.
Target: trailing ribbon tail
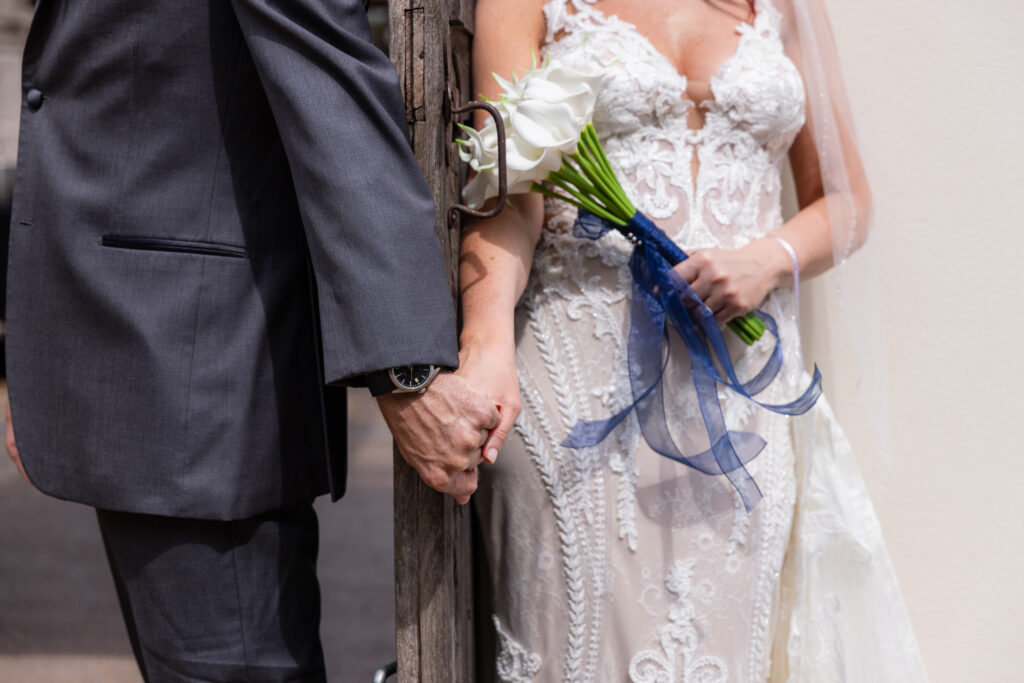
(661, 298)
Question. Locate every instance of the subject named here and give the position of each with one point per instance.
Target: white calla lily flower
(544, 112)
(543, 124)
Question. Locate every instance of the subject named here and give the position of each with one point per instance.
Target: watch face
(411, 376)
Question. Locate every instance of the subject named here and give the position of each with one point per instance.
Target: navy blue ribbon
(661, 299)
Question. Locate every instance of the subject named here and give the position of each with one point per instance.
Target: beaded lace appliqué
(677, 659)
(515, 663)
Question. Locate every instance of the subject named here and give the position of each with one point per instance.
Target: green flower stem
(750, 328)
(583, 168)
(594, 145)
(593, 167)
(571, 175)
(743, 323)
(608, 197)
(589, 136)
(741, 332)
(585, 198)
(588, 161)
(579, 202)
(585, 182)
(749, 321)
(744, 332)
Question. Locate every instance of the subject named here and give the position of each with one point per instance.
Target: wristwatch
(402, 379)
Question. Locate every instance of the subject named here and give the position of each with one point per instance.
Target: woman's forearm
(497, 253)
(810, 235)
(494, 266)
(811, 232)
(810, 238)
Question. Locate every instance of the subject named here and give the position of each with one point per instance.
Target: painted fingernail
(491, 455)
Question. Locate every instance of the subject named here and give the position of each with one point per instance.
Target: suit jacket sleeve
(368, 214)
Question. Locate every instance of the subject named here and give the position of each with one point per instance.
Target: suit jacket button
(34, 99)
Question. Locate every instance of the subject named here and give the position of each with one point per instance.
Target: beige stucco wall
(938, 90)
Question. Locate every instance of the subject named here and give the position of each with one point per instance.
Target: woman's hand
(489, 366)
(732, 282)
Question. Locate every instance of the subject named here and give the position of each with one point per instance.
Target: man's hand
(440, 432)
(12, 446)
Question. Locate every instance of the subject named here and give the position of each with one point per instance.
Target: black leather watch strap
(380, 382)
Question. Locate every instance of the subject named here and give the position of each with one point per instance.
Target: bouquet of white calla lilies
(552, 148)
(544, 113)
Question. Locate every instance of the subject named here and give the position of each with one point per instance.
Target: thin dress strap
(565, 16)
(767, 17)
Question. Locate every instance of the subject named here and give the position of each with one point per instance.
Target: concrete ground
(59, 619)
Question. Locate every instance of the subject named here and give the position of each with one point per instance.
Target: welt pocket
(174, 246)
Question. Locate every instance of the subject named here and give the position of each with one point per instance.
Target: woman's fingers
(726, 314)
(509, 411)
(704, 287)
(688, 270)
(708, 273)
(701, 273)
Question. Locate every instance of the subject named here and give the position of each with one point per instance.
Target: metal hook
(457, 208)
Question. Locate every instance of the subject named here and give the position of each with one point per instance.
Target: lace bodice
(642, 111)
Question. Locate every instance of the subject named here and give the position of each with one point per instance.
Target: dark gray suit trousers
(223, 601)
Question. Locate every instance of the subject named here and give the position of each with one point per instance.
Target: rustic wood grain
(462, 14)
(433, 558)
(459, 45)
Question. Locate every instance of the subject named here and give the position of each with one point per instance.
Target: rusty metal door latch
(454, 110)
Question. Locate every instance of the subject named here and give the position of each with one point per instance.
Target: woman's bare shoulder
(509, 33)
(519, 18)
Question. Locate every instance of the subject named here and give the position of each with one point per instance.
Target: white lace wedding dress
(614, 563)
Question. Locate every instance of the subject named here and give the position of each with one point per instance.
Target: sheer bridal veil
(843, 615)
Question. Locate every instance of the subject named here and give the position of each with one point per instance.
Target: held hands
(490, 367)
(732, 282)
(440, 432)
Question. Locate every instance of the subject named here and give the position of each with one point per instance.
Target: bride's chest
(756, 93)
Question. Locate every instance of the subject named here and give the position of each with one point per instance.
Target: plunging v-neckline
(743, 28)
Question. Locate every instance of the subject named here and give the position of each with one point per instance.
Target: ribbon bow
(662, 298)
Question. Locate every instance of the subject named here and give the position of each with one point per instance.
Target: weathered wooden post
(430, 46)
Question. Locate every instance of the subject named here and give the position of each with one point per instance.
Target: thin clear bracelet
(796, 280)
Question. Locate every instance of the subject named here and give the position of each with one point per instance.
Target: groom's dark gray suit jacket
(207, 190)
